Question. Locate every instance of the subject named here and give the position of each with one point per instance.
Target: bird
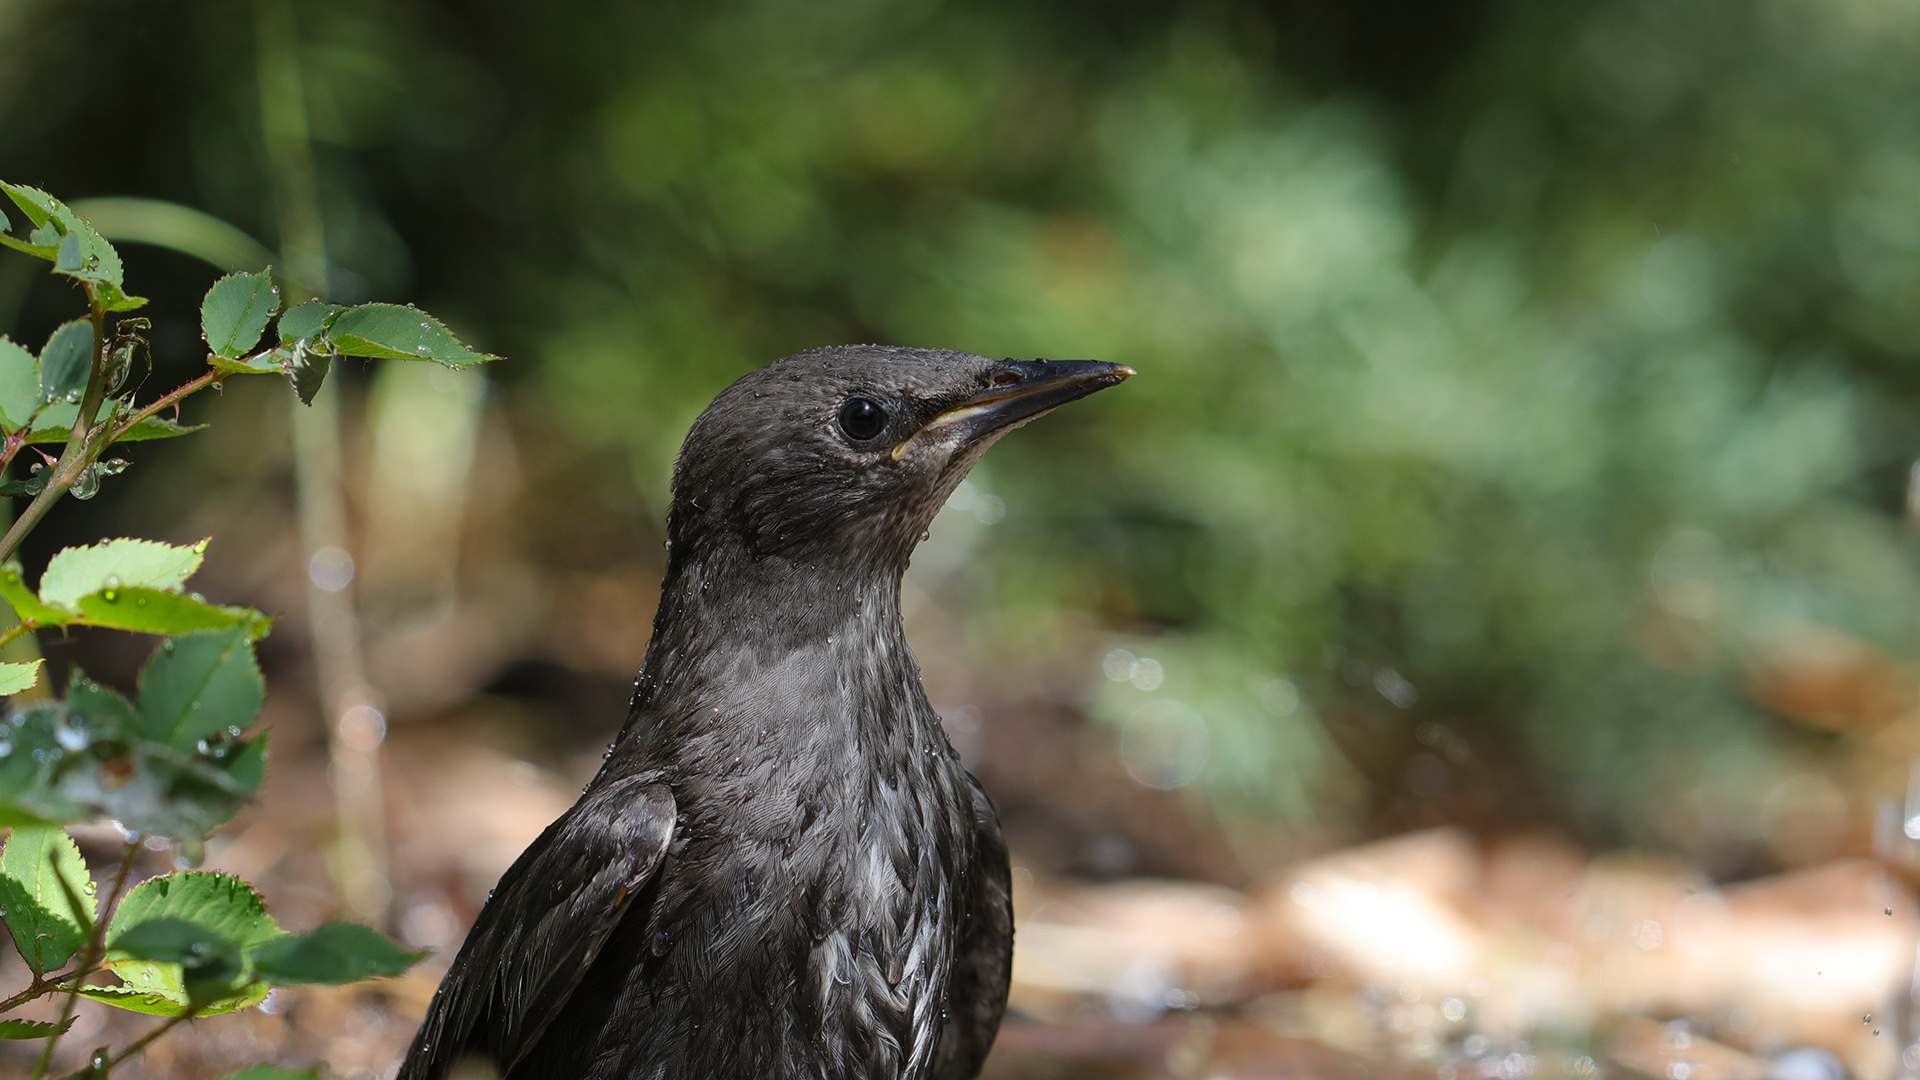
(782, 870)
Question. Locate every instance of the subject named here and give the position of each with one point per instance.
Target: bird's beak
(1018, 391)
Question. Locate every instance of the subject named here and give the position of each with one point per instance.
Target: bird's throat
(731, 626)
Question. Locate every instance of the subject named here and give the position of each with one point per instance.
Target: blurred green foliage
(1513, 374)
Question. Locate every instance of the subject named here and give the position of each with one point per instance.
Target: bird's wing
(546, 921)
(983, 958)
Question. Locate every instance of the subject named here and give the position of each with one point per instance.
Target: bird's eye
(862, 418)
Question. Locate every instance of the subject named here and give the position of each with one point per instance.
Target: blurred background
(1483, 641)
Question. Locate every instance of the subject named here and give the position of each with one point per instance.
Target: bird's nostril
(1006, 378)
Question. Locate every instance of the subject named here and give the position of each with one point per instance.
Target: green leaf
(215, 903)
(79, 251)
(334, 954)
(236, 311)
(272, 1072)
(70, 258)
(103, 707)
(19, 385)
(47, 895)
(306, 351)
(39, 206)
(33, 1029)
(200, 684)
(248, 767)
(261, 363)
(220, 902)
(306, 320)
(25, 604)
(115, 564)
(54, 422)
(23, 772)
(120, 301)
(30, 486)
(209, 964)
(17, 677)
(90, 756)
(164, 996)
(151, 611)
(51, 427)
(66, 361)
(154, 427)
(169, 939)
(391, 331)
(307, 368)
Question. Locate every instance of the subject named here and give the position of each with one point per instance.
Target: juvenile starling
(782, 871)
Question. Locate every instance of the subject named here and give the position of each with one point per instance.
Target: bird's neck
(728, 621)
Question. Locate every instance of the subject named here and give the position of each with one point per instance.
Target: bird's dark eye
(862, 418)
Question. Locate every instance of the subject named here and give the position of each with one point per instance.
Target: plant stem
(41, 986)
(15, 633)
(96, 948)
(14, 443)
(86, 442)
(80, 449)
(180, 393)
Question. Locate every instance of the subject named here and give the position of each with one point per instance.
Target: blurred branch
(359, 861)
(177, 228)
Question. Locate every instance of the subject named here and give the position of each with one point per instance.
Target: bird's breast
(814, 878)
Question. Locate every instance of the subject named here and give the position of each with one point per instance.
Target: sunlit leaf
(153, 611)
(17, 677)
(114, 564)
(162, 993)
(216, 903)
(206, 963)
(236, 311)
(220, 902)
(46, 894)
(26, 604)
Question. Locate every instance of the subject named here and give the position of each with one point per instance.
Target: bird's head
(855, 448)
